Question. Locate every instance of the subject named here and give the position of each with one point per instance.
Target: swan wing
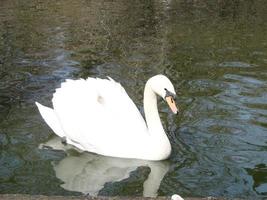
(98, 115)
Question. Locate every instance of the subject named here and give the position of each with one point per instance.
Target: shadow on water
(215, 52)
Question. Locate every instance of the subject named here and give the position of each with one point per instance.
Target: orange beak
(172, 104)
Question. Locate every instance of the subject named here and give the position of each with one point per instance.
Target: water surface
(214, 52)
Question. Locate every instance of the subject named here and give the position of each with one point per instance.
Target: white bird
(97, 115)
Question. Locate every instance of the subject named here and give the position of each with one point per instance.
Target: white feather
(51, 119)
(176, 197)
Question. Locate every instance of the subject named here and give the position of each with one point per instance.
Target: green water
(215, 53)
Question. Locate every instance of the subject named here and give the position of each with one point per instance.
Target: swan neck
(151, 111)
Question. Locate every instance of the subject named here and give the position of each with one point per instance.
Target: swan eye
(170, 94)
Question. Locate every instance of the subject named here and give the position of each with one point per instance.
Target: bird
(98, 116)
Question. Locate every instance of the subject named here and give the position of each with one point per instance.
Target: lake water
(215, 53)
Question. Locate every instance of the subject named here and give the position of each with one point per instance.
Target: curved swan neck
(151, 111)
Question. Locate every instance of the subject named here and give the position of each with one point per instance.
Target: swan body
(97, 115)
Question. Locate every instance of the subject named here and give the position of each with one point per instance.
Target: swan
(97, 115)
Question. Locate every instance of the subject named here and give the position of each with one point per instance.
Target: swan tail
(51, 119)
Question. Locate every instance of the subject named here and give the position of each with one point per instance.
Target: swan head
(163, 87)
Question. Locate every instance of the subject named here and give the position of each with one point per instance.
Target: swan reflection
(88, 173)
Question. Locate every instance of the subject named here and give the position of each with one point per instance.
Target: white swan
(97, 115)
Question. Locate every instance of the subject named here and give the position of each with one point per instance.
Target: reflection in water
(89, 173)
(259, 175)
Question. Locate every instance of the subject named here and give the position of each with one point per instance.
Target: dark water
(215, 52)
